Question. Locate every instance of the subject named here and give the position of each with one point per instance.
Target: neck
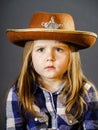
(51, 85)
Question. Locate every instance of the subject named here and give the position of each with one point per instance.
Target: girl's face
(50, 58)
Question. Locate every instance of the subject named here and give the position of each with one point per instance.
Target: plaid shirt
(54, 117)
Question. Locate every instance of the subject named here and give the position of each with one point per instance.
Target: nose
(50, 56)
(50, 59)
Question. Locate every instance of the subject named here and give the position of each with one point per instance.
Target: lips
(49, 67)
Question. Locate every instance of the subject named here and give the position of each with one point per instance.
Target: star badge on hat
(51, 24)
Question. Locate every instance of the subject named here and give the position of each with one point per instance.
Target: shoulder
(92, 95)
(12, 94)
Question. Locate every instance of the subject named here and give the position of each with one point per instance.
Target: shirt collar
(56, 92)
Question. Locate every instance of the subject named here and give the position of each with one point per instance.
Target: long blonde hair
(75, 84)
(73, 91)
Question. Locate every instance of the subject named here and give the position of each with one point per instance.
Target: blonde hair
(72, 92)
(75, 84)
(27, 80)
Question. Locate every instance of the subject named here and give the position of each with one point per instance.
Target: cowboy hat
(52, 26)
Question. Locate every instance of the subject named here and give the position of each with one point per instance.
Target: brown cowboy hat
(52, 26)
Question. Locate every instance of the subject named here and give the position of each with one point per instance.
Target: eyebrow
(62, 45)
(39, 46)
(58, 44)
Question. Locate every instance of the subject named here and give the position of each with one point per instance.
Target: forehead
(50, 43)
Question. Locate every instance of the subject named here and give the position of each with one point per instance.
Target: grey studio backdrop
(17, 14)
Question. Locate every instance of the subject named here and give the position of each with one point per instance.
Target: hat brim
(83, 39)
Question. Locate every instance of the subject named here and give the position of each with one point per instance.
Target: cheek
(65, 61)
(34, 60)
(36, 63)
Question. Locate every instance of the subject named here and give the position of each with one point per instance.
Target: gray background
(17, 14)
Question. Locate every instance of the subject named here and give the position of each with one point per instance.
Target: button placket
(51, 108)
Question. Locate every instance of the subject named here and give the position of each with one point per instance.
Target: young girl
(51, 91)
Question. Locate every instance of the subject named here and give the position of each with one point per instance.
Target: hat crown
(52, 21)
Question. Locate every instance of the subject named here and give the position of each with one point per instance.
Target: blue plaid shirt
(54, 117)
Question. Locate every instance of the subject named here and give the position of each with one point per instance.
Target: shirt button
(48, 98)
(70, 121)
(36, 119)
